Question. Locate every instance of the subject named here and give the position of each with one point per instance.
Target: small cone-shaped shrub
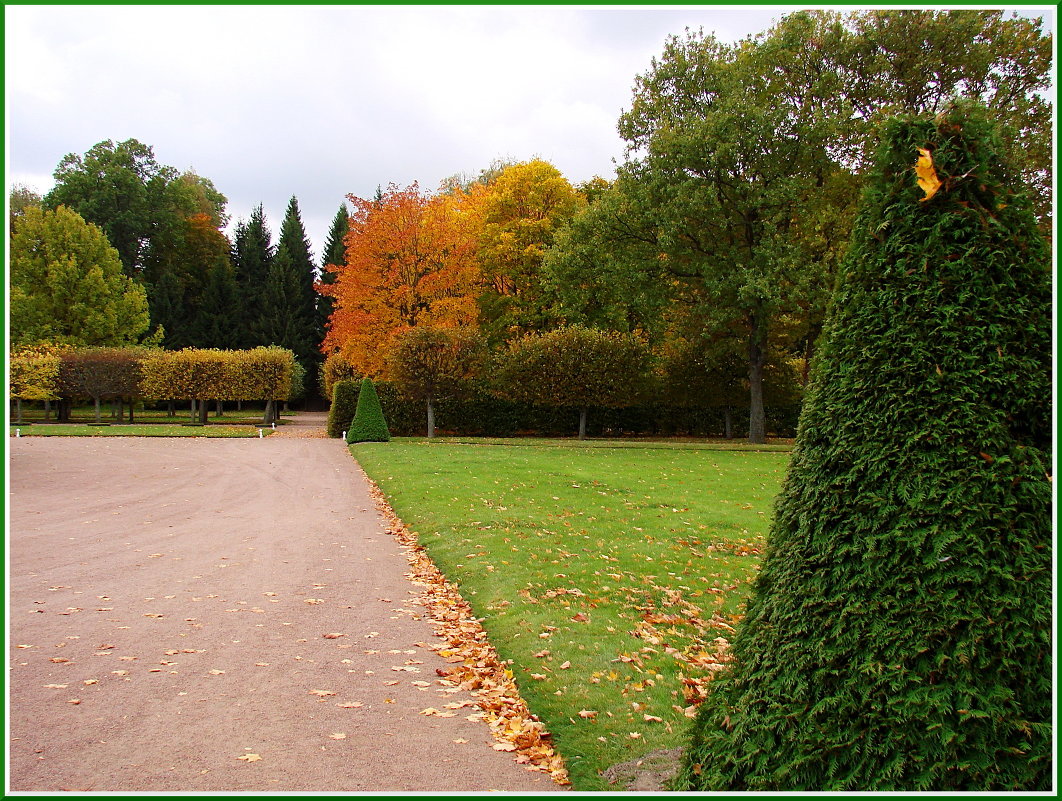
(898, 636)
(344, 404)
(368, 424)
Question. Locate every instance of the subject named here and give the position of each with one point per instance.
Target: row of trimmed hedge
(69, 374)
(481, 414)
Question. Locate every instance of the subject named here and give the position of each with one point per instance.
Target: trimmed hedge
(369, 424)
(344, 404)
(899, 635)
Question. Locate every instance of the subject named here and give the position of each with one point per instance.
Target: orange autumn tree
(410, 261)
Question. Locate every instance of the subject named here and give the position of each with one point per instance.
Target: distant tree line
(715, 246)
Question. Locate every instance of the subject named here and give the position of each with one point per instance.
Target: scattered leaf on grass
(588, 713)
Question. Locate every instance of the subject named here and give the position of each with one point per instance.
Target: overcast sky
(318, 102)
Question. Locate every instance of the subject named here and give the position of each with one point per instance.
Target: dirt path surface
(174, 606)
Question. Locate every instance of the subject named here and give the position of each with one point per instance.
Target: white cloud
(321, 101)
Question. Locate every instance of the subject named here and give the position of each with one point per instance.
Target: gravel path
(222, 615)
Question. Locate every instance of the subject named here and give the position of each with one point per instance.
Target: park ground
(223, 615)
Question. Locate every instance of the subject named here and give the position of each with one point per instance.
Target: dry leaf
(504, 747)
(74, 701)
(334, 636)
(565, 665)
(587, 713)
(249, 757)
(313, 600)
(337, 736)
(652, 719)
(215, 672)
(461, 740)
(351, 705)
(56, 686)
(928, 181)
(322, 693)
(91, 681)
(538, 676)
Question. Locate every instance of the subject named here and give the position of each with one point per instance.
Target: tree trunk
(193, 410)
(219, 409)
(269, 418)
(131, 402)
(757, 354)
(204, 411)
(47, 410)
(582, 423)
(728, 422)
(96, 401)
(171, 409)
(63, 413)
(18, 410)
(431, 420)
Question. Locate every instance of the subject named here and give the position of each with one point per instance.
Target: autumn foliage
(409, 262)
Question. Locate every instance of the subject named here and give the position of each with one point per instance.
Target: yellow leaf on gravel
(322, 693)
(337, 736)
(928, 181)
(504, 747)
(249, 757)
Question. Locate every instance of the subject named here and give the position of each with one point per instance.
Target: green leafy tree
(899, 635)
(576, 367)
(428, 364)
(33, 375)
(67, 284)
(118, 186)
(368, 424)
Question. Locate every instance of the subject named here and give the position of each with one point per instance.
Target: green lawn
(606, 571)
(118, 430)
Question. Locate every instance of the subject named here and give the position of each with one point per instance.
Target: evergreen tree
(899, 633)
(368, 424)
(335, 254)
(213, 325)
(252, 255)
(290, 299)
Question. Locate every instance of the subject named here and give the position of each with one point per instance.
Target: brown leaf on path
(333, 636)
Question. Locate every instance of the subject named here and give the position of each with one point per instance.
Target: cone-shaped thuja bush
(899, 633)
(368, 424)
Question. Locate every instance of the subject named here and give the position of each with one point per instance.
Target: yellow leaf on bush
(928, 181)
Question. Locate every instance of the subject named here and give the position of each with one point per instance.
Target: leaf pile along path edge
(475, 664)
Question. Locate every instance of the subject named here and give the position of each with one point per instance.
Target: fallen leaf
(351, 705)
(334, 636)
(588, 713)
(652, 719)
(215, 672)
(337, 736)
(322, 693)
(56, 686)
(540, 654)
(74, 701)
(261, 664)
(249, 757)
(460, 741)
(313, 600)
(565, 665)
(58, 659)
(538, 676)
(91, 681)
(504, 747)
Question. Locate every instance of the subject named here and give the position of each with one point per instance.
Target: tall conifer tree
(335, 254)
(252, 255)
(899, 633)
